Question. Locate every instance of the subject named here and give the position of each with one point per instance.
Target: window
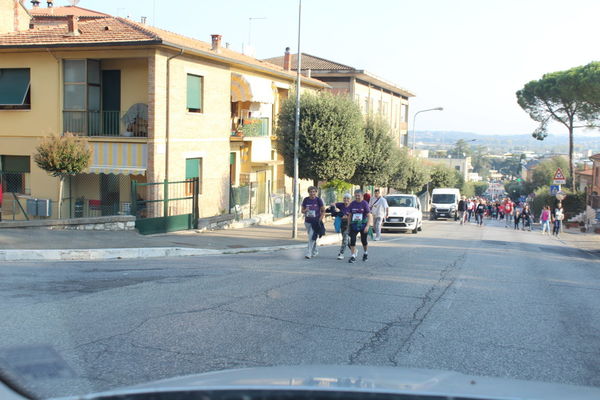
(15, 89)
(193, 169)
(194, 93)
(82, 96)
(404, 116)
(14, 174)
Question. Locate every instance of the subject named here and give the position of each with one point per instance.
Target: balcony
(105, 123)
(252, 127)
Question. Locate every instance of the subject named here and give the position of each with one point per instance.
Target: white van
(444, 203)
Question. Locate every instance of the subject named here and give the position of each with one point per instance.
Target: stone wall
(114, 223)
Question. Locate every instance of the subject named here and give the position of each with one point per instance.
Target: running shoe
(352, 260)
(365, 257)
(340, 256)
(307, 257)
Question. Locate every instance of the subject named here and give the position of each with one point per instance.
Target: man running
(314, 212)
(379, 209)
(360, 219)
(508, 212)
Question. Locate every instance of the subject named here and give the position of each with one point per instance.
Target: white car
(404, 214)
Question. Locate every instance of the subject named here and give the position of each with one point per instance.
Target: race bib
(357, 217)
(311, 213)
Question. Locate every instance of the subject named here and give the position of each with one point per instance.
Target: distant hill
(507, 143)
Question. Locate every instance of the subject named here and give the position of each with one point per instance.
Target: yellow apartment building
(154, 106)
(373, 94)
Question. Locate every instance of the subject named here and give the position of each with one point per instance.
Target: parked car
(444, 203)
(404, 214)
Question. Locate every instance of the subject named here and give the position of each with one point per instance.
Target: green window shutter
(194, 92)
(15, 164)
(14, 85)
(191, 168)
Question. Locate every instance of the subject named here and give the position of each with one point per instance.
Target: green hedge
(573, 204)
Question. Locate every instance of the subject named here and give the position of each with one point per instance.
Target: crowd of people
(514, 215)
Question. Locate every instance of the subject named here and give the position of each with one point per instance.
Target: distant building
(373, 94)
(462, 165)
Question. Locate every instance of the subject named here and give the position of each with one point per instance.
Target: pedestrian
(516, 219)
(545, 217)
(379, 209)
(526, 218)
(557, 217)
(339, 210)
(367, 196)
(508, 211)
(360, 220)
(462, 210)
(314, 212)
(479, 212)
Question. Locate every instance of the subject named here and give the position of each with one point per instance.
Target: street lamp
(415, 117)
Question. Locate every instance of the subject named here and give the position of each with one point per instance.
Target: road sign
(554, 189)
(559, 177)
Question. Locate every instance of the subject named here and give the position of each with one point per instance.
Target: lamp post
(415, 117)
(297, 129)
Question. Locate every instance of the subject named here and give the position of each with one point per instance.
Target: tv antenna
(74, 2)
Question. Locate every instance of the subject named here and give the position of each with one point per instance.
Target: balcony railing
(103, 123)
(253, 127)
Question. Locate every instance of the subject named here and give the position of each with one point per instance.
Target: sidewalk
(588, 241)
(42, 244)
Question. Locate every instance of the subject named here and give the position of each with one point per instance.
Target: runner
(470, 209)
(379, 209)
(360, 219)
(479, 212)
(462, 210)
(557, 217)
(545, 217)
(339, 210)
(314, 212)
(508, 212)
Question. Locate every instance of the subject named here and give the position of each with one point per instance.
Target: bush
(573, 204)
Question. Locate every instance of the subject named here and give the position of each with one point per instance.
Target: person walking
(314, 212)
(508, 212)
(470, 209)
(479, 212)
(379, 209)
(526, 218)
(462, 210)
(516, 219)
(545, 217)
(339, 210)
(360, 219)
(557, 217)
(367, 196)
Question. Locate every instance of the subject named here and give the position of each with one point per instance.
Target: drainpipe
(168, 111)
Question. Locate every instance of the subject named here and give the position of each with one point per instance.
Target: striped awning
(251, 88)
(119, 158)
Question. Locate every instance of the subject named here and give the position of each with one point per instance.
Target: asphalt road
(483, 301)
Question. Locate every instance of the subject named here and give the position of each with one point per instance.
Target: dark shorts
(363, 237)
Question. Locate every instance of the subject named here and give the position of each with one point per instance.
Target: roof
(595, 157)
(110, 31)
(584, 172)
(311, 62)
(319, 65)
(64, 11)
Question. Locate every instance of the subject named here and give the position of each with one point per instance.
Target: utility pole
(297, 128)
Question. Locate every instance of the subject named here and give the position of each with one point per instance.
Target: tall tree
(442, 177)
(461, 149)
(565, 97)
(543, 173)
(63, 156)
(376, 162)
(331, 136)
(408, 175)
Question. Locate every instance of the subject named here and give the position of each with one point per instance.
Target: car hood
(364, 379)
(402, 211)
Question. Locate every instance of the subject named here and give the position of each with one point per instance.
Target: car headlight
(410, 220)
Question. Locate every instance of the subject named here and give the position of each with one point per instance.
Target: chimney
(287, 59)
(35, 3)
(73, 24)
(50, 3)
(216, 42)
(143, 20)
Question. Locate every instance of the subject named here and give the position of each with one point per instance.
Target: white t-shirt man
(379, 206)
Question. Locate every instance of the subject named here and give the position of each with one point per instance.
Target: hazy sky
(468, 56)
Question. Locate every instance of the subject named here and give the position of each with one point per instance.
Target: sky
(467, 56)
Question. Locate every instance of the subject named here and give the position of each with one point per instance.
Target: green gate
(162, 207)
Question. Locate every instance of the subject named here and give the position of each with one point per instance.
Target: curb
(141, 252)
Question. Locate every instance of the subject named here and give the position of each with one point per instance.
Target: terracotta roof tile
(312, 62)
(64, 11)
(93, 31)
